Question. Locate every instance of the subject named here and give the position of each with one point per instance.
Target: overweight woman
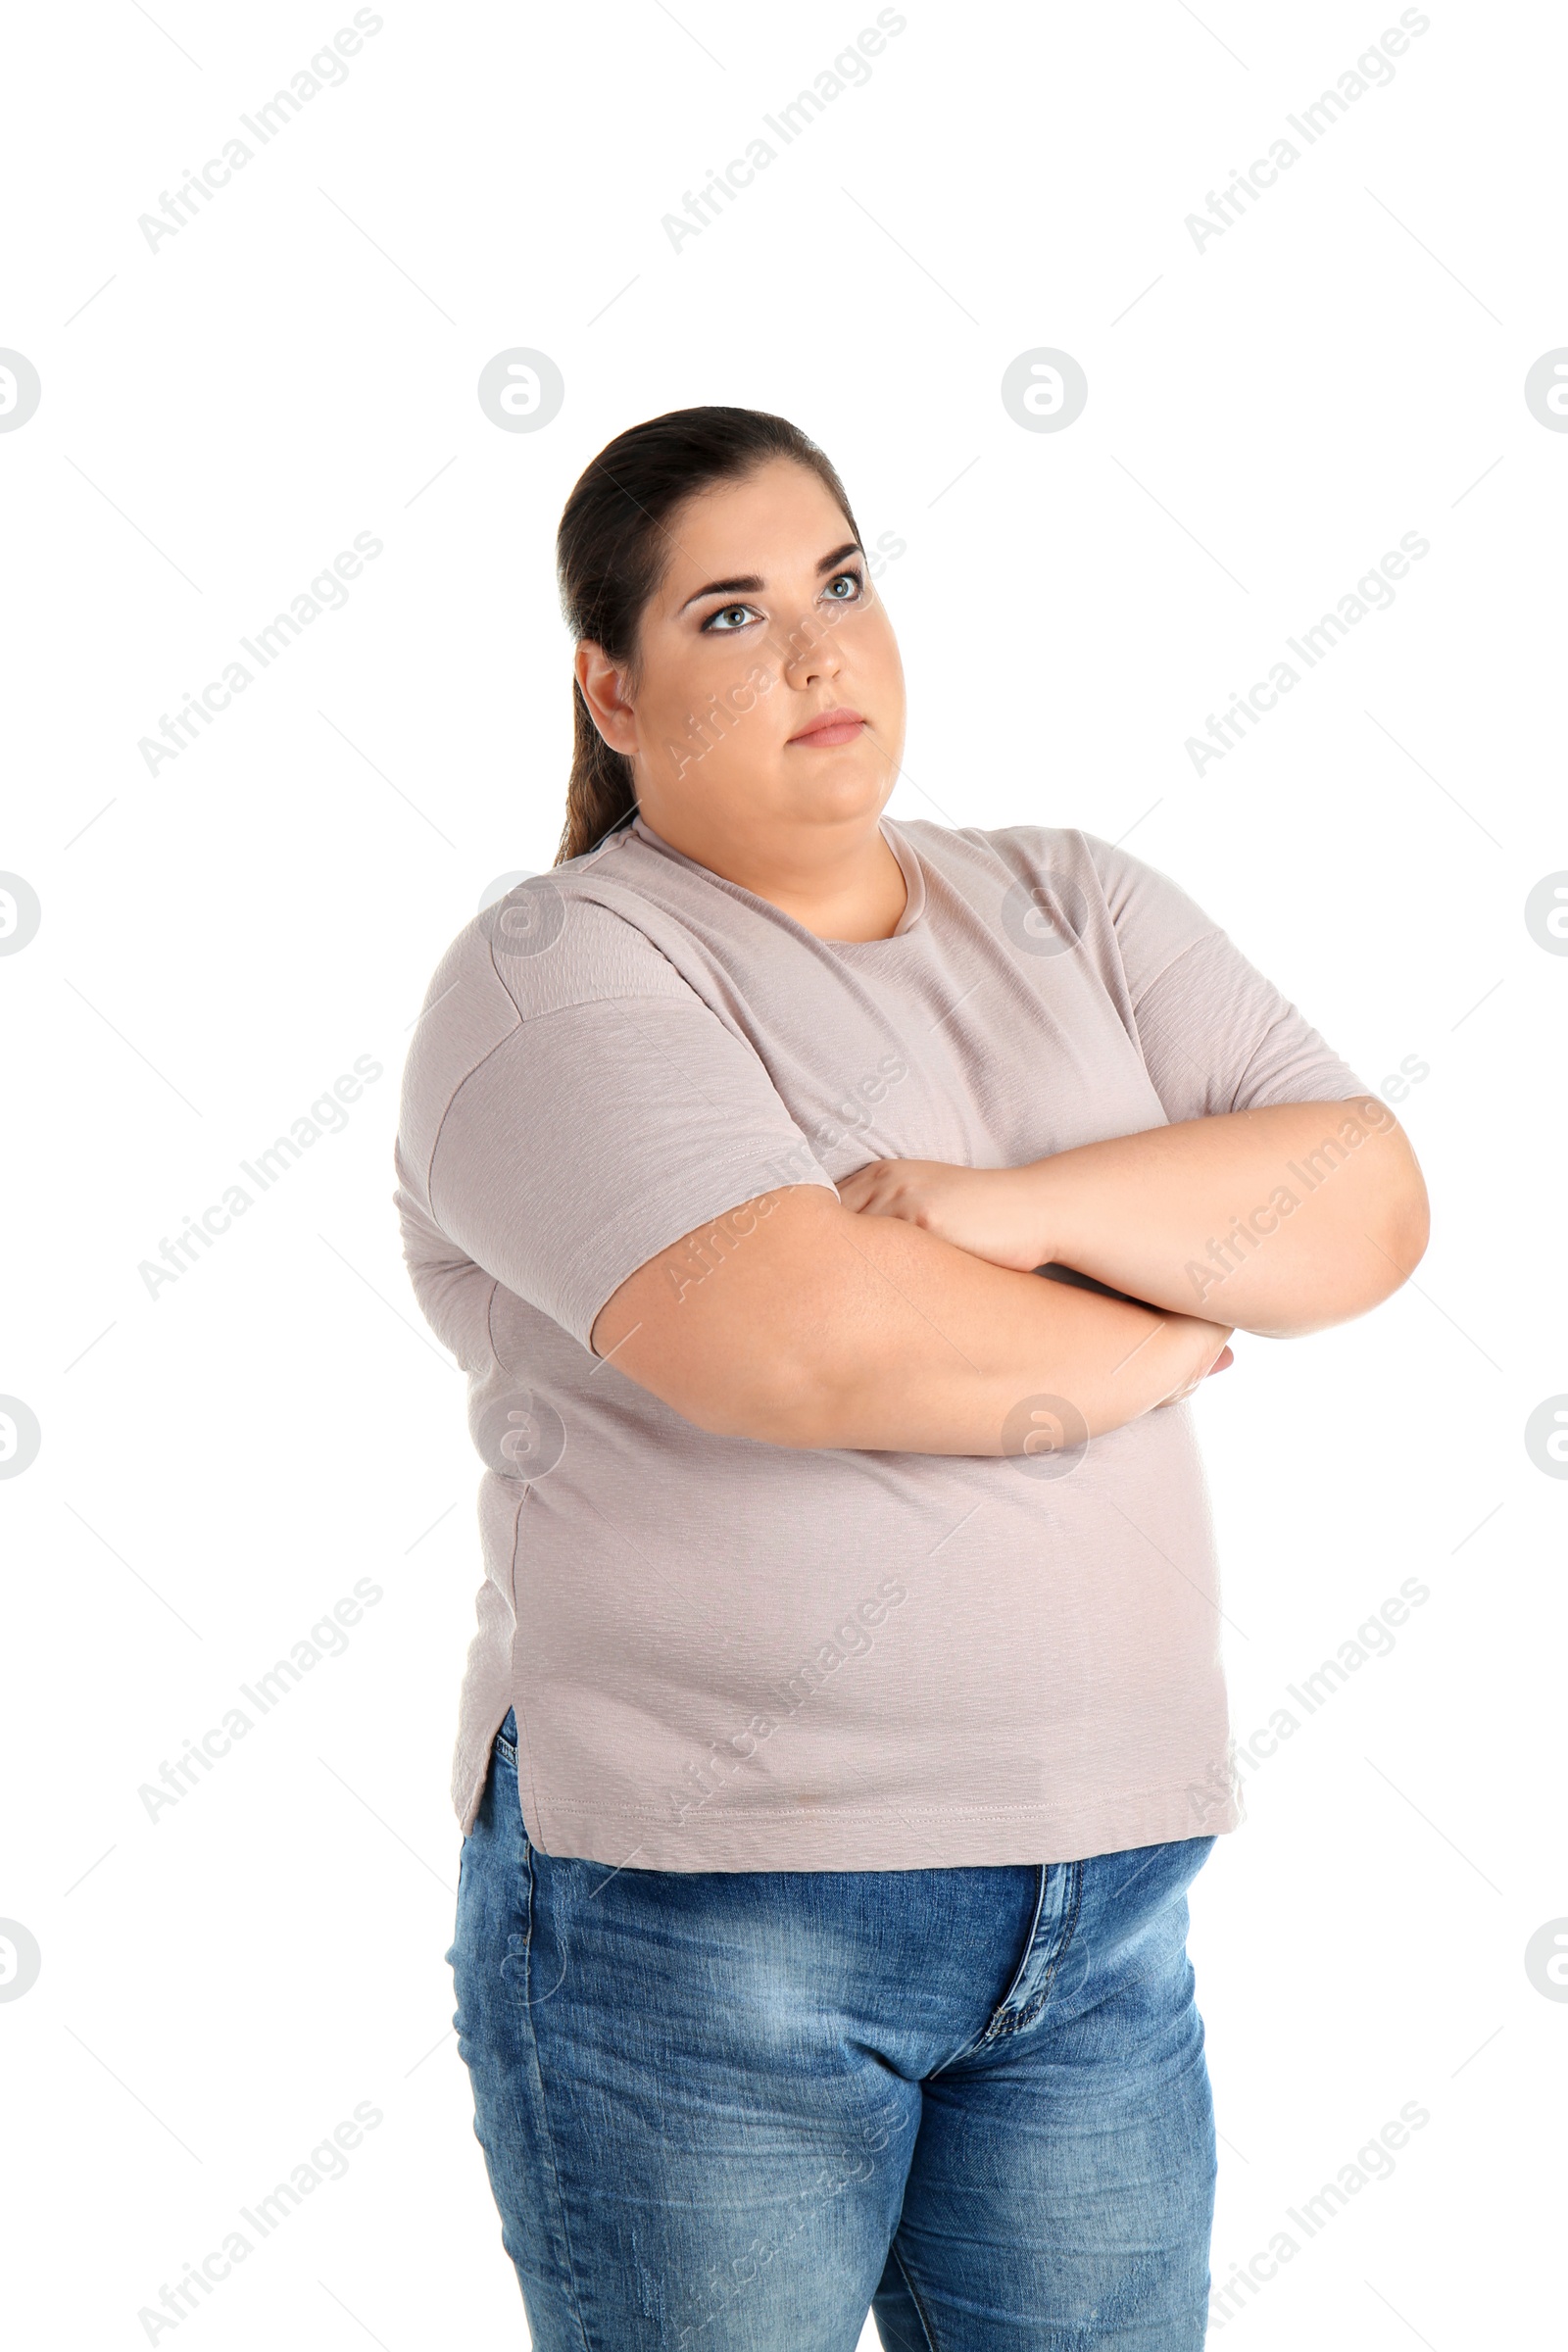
(845, 1722)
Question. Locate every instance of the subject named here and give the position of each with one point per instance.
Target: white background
(1266, 415)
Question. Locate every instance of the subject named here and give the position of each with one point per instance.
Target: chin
(840, 800)
(845, 783)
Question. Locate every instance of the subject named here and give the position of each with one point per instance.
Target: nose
(812, 653)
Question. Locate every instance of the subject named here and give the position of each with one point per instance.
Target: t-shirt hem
(878, 1838)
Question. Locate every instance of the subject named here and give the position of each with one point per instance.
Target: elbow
(782, 1400)
(1402, 1233)
(1415, 1229)
(782, 1424)
(1397, 1236)
(1365, 1267)
(1395, 1229)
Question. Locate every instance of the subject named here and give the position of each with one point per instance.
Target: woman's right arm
(794, 1321)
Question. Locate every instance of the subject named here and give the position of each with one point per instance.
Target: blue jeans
(734, 2111)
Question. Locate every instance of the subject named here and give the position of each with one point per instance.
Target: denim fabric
(734, 2111)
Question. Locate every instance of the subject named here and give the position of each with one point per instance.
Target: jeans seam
(1026, 2016)
(915, 2298)
(991, 2029)
(1029, 1940)
(549, 2137)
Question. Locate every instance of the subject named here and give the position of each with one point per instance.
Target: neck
(835, 887)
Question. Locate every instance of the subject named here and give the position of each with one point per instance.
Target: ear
(602, 682)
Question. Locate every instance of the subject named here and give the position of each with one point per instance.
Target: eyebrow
(750, 584)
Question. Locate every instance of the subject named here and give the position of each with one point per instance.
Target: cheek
(877, 660)
(712, 709)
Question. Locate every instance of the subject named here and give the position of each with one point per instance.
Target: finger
(853, 1189)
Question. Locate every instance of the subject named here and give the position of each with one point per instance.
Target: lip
(830, 728)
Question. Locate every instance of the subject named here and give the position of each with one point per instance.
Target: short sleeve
(1215, 1034)
(598, 1108)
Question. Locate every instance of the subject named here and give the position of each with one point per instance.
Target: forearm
(870, 1334)
(1276, 1221)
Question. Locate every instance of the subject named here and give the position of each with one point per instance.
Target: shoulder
(1028, 850)
(544, 951)
(995, 853)
(1007, 855)
(552, 941)
(1084, 886)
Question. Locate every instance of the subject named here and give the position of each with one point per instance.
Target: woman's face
(767, 619)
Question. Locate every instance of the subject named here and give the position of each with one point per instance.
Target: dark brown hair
(610, 554)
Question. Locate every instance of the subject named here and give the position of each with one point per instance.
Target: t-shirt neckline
(910, 866)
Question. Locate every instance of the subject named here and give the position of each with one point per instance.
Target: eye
(844, 579)
(723, 620)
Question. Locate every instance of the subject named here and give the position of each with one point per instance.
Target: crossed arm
(906, 1315)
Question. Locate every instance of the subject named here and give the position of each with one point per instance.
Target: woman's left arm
(1278, 1220)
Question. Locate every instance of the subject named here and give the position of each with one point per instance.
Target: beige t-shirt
(729, 1655)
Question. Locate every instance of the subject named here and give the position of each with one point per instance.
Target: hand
(994, 1214)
